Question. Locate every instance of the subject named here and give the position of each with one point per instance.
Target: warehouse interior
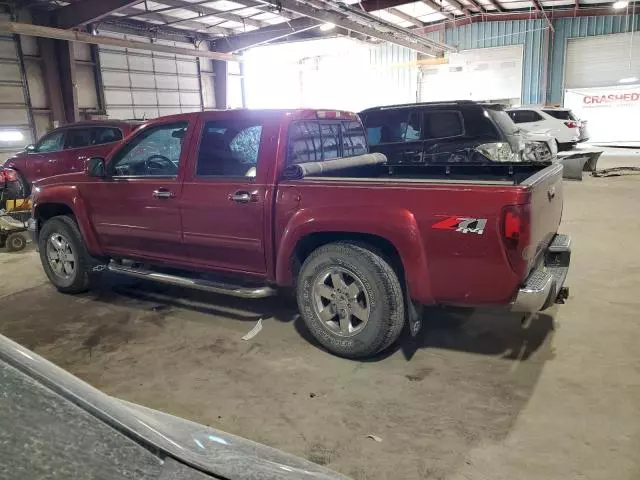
(477, 393)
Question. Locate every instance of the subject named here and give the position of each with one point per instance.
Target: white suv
(560, 123)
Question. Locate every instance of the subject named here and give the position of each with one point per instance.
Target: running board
(197, 284)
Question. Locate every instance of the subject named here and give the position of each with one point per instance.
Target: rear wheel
(63, 255)
(351, 300)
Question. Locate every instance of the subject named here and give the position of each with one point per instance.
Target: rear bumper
(544, 285)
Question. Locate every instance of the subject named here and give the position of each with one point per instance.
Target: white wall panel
(142, 97)
(35, 79)
(86, 87)
(189, 68)
(478, 74)
(187, 83)
(169, 82)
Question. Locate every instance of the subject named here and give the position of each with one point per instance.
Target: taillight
(512, 224)
(515, 235)
(8, 175)
(571, 124)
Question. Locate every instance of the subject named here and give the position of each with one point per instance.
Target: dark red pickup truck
(243, 202)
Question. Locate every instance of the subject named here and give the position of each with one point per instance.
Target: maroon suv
(63, 150)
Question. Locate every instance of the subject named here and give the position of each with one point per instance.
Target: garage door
(493, 74)
(15, 125)
(141, 84)
(601, 61)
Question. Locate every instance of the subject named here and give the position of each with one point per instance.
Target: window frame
(61, 131)
(260, 124)
(337, 121)
(110, 168)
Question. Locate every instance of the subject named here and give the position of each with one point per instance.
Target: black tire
(66, 227)
(24, 185)
(379, 283)
(16, 242)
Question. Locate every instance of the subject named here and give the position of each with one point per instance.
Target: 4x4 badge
(462, 224)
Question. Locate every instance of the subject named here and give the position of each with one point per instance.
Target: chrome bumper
(545, 285)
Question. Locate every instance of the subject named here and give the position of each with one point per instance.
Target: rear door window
(229, 149)
(442, 124)
(102, 135)
(392, 126)
(525, 116)
(77, 138)
(560, 114)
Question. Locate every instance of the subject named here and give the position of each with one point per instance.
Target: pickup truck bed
(362, 247)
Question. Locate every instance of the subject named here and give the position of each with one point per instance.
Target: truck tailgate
(545, 212)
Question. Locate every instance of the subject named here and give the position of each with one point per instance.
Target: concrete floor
(475, 397)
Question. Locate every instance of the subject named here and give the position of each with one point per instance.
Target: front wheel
(351, 300)
(63, 255)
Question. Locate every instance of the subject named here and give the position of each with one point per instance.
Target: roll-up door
(141, 84)
(601, 61)
(15, 123)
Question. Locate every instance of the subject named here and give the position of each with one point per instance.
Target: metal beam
(530, 15)
(243, 41)
(74, 36)
(497, 5)
(208, 11)
(438, 8)
(137, 27)
(477, 6)
(339, 20)
(405, 17)
(189, 23)
(82, 12)
(373, 5)
(458, 6)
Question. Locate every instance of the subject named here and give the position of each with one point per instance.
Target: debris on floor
(254, 331)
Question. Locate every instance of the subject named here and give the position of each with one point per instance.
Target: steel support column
(52, 83)
(220, 71)
(67, 69)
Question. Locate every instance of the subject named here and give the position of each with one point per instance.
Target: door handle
(243, 197)
(163, 193)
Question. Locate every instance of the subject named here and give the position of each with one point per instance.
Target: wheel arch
(48, 206)
(398, 239)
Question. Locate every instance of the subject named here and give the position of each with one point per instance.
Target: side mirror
(30, 148)
(96, 167)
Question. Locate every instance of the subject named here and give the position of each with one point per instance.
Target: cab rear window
(316, 140)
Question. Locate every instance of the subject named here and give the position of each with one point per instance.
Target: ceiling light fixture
(620, 4)
(325, 27)
(628, 80)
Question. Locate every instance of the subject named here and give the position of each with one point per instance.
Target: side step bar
(197, 284)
